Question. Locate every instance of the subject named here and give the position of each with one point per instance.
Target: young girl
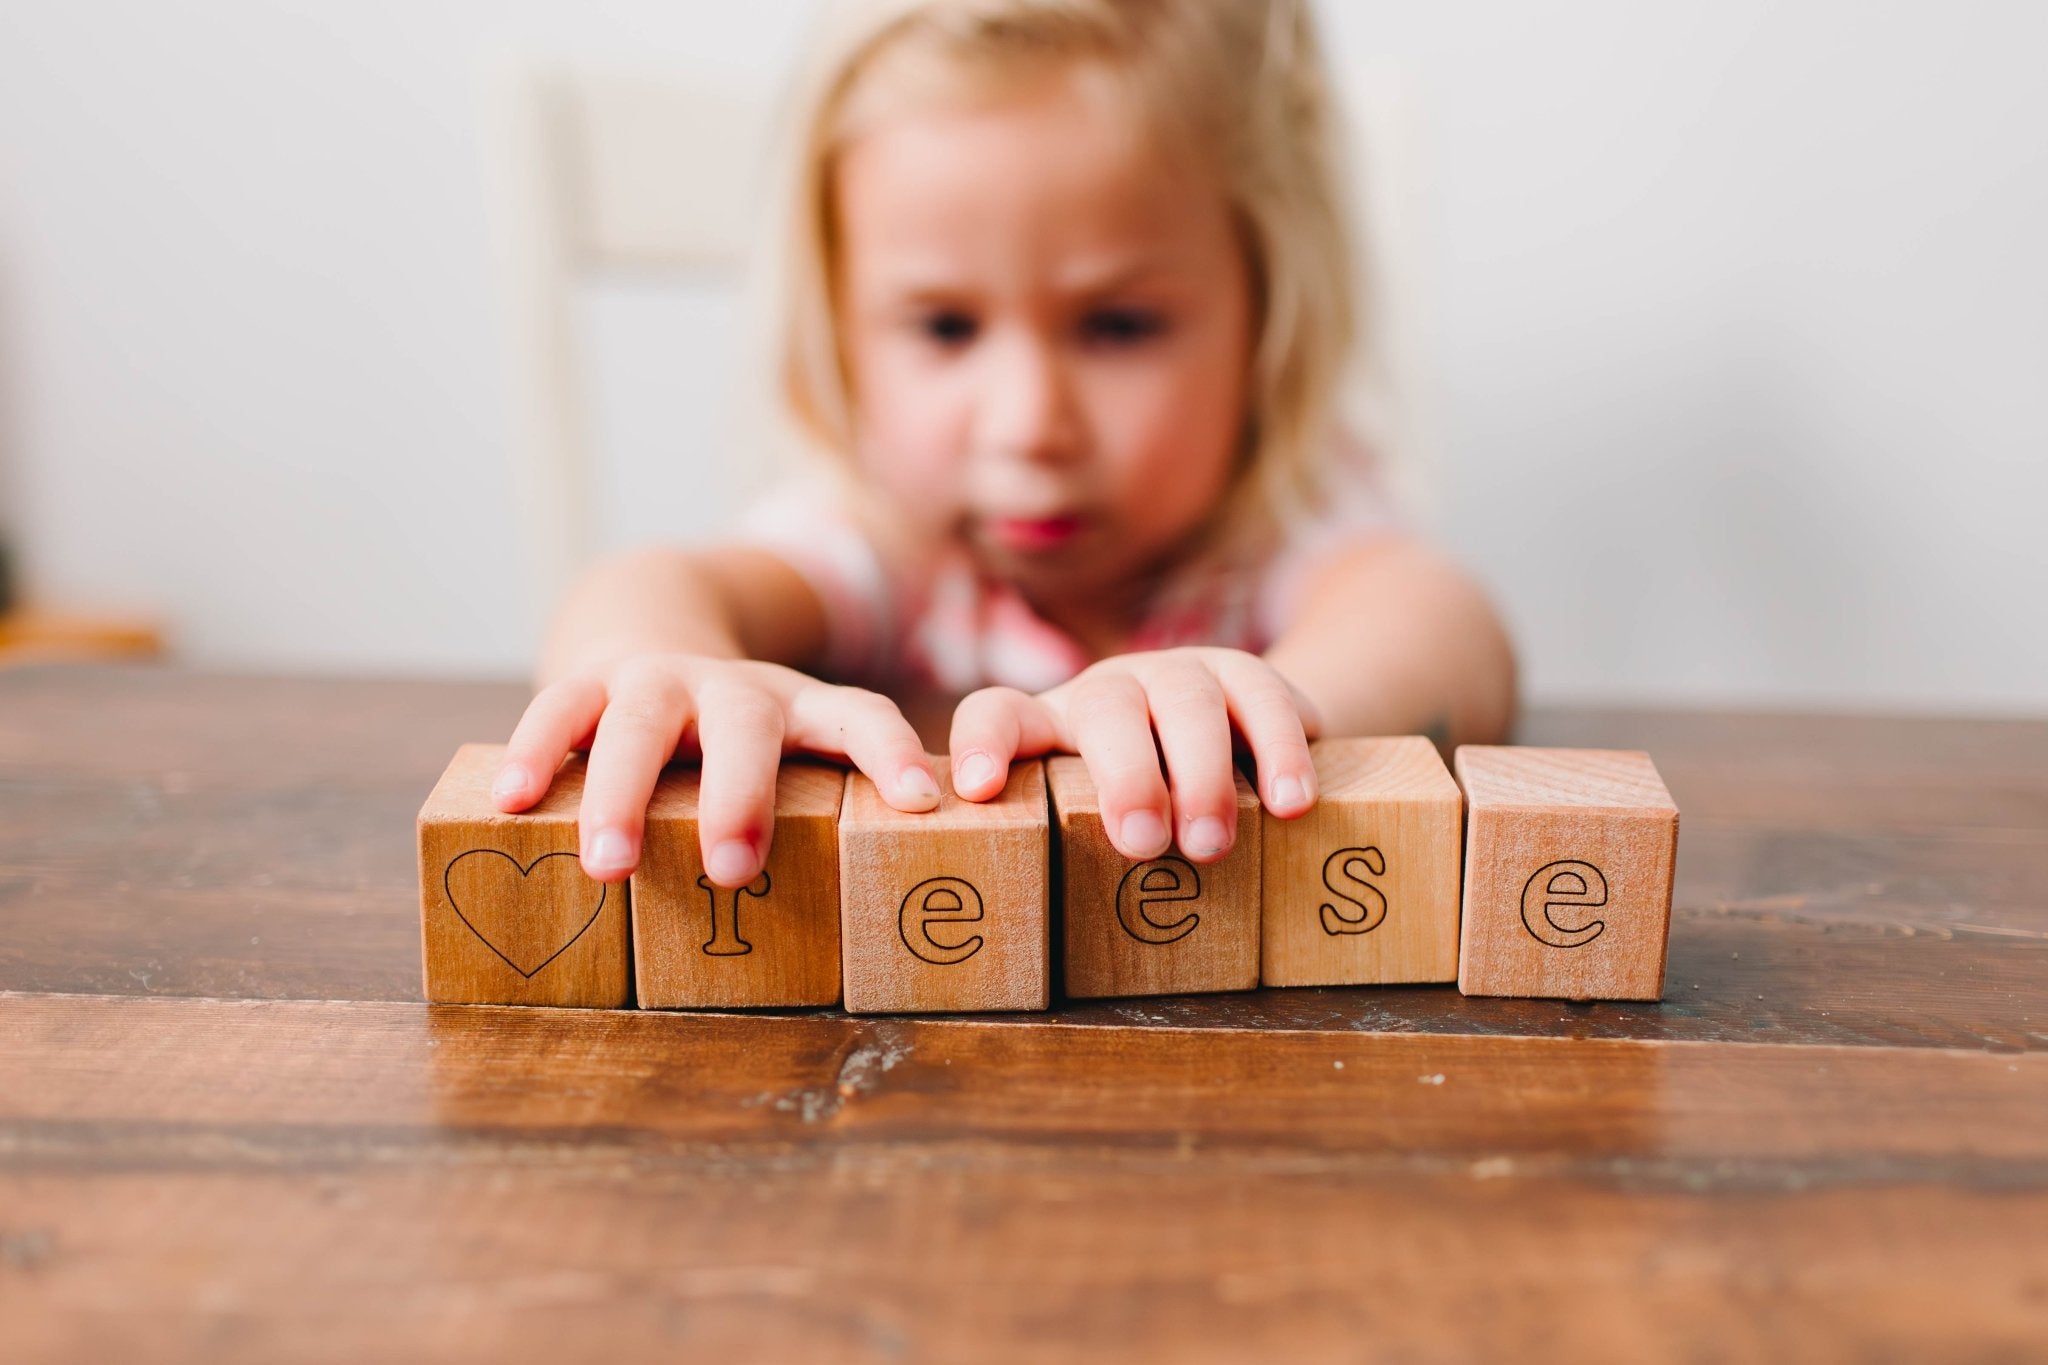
(1067, 300)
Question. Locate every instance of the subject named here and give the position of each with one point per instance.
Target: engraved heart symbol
(523, 913)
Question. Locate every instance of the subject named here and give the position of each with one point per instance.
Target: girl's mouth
(1034, 535)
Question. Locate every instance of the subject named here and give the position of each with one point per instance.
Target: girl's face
(1047, 328)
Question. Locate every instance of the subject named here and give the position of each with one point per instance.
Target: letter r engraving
(725, 940)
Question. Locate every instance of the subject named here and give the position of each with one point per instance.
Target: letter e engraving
(1567, 882)
(1358, 894)
(1155, 883)
(939, 900)
(725, 940)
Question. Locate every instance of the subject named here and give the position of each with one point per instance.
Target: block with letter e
(1162, 927)
(1364, 888)
(506, 915)
(946, 909)
(1569, 858)
(774, 941)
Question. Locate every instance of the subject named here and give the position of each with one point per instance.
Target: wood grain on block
(772, 942)
(1569, 862)
(506, 915)
(1163, 927)
(946, 910)
(1364, 888)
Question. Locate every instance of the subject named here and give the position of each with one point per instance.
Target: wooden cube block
(1569, 861)
(772, 942)
(946, 910)
(1364, 888)
(1163, 927)
(506, 915)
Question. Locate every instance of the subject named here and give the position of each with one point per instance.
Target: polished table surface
(229, 1129)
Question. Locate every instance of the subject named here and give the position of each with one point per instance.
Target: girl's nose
(1028, 406)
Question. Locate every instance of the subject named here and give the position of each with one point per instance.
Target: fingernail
(975, 773)
(1207, 835)
(730, 863)
(610, 850)
(916, 785)
(1289, 793)
(1144, 834)
(511, 781)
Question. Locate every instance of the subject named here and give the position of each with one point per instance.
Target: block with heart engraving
(772, 942)
(946, 910)
(506, 915)
(1569, 861)
(1364, 888)
(1166, 926)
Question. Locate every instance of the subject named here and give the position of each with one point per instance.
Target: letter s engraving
(1360, 895)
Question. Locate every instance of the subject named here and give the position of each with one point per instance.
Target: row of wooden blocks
(1564, 859)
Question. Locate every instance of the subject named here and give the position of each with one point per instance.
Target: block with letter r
(774, 941)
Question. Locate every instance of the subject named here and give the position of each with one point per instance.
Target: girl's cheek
(908, 455)
(1175, 433)
(905, 474)
(907, 413)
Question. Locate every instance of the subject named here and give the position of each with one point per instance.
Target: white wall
(1733, 329)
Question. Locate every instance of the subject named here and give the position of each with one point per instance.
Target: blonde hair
(1240, 82)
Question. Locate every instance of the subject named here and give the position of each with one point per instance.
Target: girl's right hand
(740, 714)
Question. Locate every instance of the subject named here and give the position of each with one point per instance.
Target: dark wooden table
(228, 1129)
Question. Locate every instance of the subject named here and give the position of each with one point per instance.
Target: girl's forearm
(645, 601)
(727, 602)
(1395, 639)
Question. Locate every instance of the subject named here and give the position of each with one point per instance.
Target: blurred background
(1723, 326)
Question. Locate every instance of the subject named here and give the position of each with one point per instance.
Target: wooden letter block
(772, 942)
(1569, 863)
(946, 910)
(1164, 927)
(1364, 888)
(506, 915)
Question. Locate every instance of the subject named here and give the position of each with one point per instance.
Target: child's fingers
(1269, 713)
(868, 730)
(1111, 726)
(991, 729)
(740, 731)
(1193, 723)
(555, 719)
(636, 735)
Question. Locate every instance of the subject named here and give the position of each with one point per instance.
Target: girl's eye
(949, 327)
(1122, 326)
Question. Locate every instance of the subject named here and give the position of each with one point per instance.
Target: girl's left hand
(1190, 698)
